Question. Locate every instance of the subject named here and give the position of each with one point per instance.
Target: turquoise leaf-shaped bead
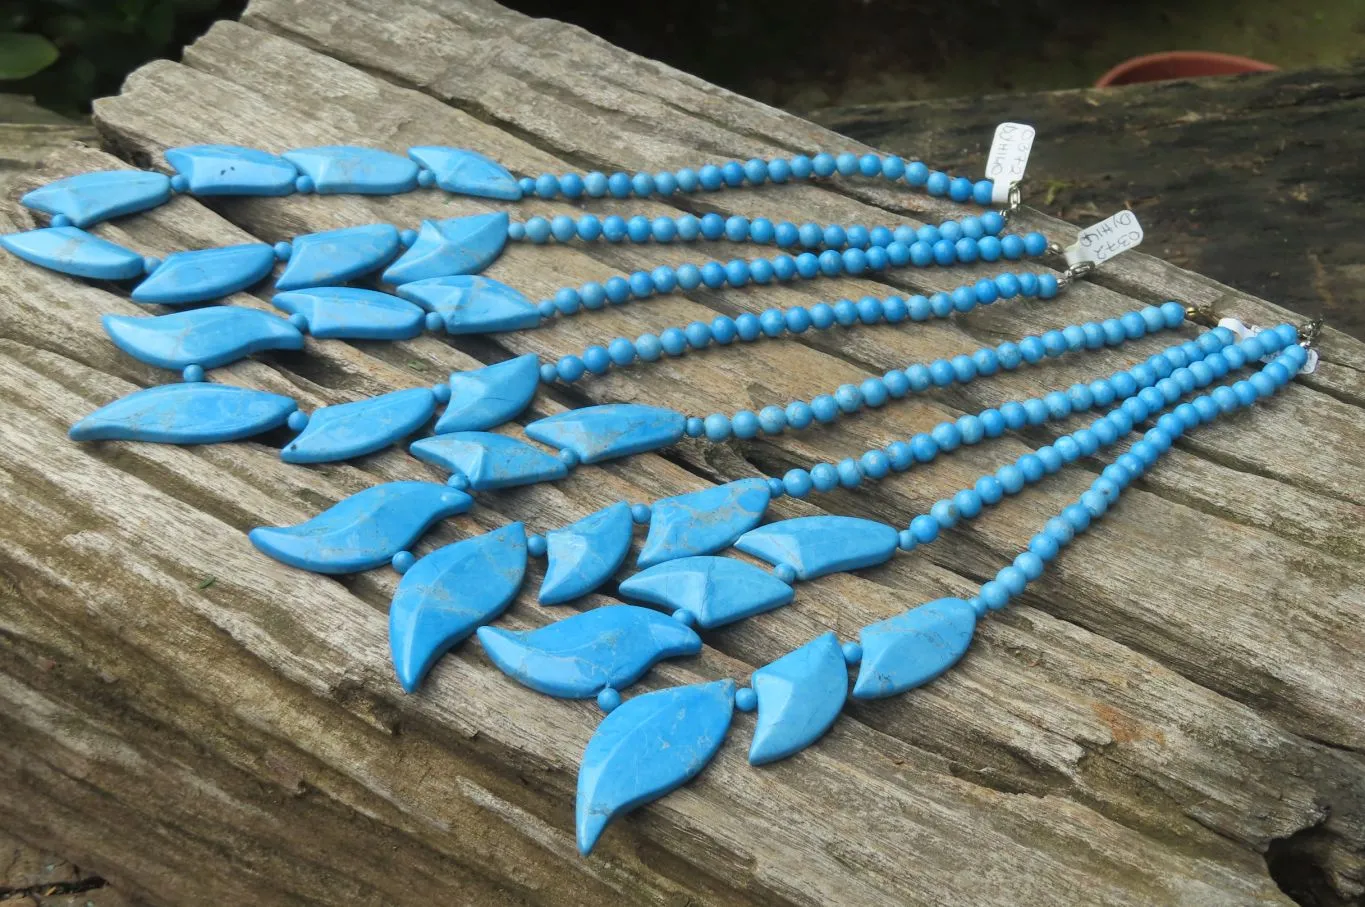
(701, 522)
(911, 649)
(648, 746)
(467, 172)
(598, 433)
(352, 313)
(819, 545)
(473, 305)
(363, 531)
(186, 413)
(205, 274)
(487, 397)
(799, 696)
(449, 594)
(208, 337)
(232, 170)
(715, 590)
(88, 198)
(336, 256)
(580, 656)
(345, 168)
(355, 429)
(70, 250)
(489, 461)
(458, 245)
(582, 556)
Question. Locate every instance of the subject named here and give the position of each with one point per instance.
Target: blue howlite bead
(1012, 247)
(831, 263)
(1031, 467)
(547, 185)
(717, 427)
(946, 435)
(1059, 530)
(673, 341)
(900, 455)
(986, 291)
(619, 185)
(1011, 478)
(748, 326)
(1077, 516)
(924, 447)
(824, 477)
(595, 184)
(713, 274)
(597, 360)
(797, 483)
(924, 529)
(1012, 579)
(992, 423)
(641, 285)
(874, 464)
(854, 261)
(772, 419)
(799, 414)
(710, 177)
(937, 184)
(1054, 343)
(698, 335)
(1058, 404)
(688, 181)
(1051, 460)
(834, 236)
(990, 489)
(943, 513)
(695, 427)
(960, 189)
(621, 351)
(733, 174)
(744, 423)
(784, 267)
(967, 503)
(849, 398)
(825, 408)
(994, 594)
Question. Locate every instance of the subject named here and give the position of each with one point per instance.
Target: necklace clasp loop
(1310, 332)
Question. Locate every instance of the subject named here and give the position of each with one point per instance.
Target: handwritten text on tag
(1108, 238)
(1009, 157)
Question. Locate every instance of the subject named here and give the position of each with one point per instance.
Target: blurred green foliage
(67, 52)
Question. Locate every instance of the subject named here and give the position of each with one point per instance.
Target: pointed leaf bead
(207, 337)
(457, 246)
(88, 198)
(911, 649)
(473, 305)
(701, 522)
(715, 590)
(487, 397)
(344, 168)
(232, 170)
(205, 274)
(597, 433)
(585, 554)
(799, 696)
(818, 545)
(336, 256)
(467, 172)
(489, 461)
(352, 313)
(71, 250)
(187, 413)
(354, 429)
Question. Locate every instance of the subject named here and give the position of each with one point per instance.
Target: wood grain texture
(1181, 696)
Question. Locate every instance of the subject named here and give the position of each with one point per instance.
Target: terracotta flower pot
(1179, 64)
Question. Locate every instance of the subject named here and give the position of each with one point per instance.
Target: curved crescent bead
(89, 198)
(597, 433)
(467, 172)
(352, 313)
(336, 256)
(448, 594)
(648, 746)
(355, 429)
(819, 545)
(473, 305)
(705, 521)
(489, 461)
(199, 276)
(911, 649)
(186, 413)
(208, 337)
(70, 250)
(232, 170)
(348, 168)
(799, 696)
(717, 590)
(487, 397)
(459, 245)
(582, 556)
(582, 655)
(363, 531)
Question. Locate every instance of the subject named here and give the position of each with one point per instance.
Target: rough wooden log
(28, 133)
(1173, 716)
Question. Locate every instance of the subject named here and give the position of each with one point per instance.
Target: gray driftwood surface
(1171, 712)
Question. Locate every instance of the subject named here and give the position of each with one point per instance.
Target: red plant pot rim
(1179, 64)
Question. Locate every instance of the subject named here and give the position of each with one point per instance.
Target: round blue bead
(761, 230)
(990, 489)
(748, 326)
(772, 419)
(900, 455)
(1047, 286)
(756, 171)
(924, 528)
(784, 267)
(802, 167)
(786, 235)
(641, 285)
(874, 464)
(733, 174)
(994, 595)
(799, 414)
(896, 383)
(1011, 478)
(937, 184)
(924, 447)
(596, 360)
(595, 184)
(717, 427)
(946, 435)
(967, 503)
(916, 174)
(695, 427)
(797, 483)
(983, 192)
(1012, 247)
(992, 423)
(824, 477)
(779, 171)
(1013, 579)
(773, 322)
(673, 341)
(621, 351)
(825, 408)
(849, 398)
(835, 237)
(723, 330)
(619, 185)
(744, 423)
(698, 335)
(547, 185)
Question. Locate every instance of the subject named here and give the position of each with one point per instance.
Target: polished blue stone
(186, 413)
(336, 256)
(584, 555)
(205, 274)
(467, 172)
(354, 429)
(487, 397)
(346, 168)
(445, 248)
(208, 337)
(582, 655)
(89, 198)
(817, 545)
(450, 593)
(701, 522)
(799, 696)
(648, 746)
(352, 313)
(911, 649)
(363, 531)
(232, 170)
(716, 590)
(71, 250)
(473, 305)
(598, 433)
(489, 461)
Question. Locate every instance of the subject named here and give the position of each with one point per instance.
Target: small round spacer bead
(536, 545)
(568, 458)
(640, 513)
(194, 373)
(746, 700)
(297, 421)
(608, 699)
(441, 392)
(403, 561)
(785, 572)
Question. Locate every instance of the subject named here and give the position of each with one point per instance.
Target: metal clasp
(1310, 332)
(1073, 271)
(1013, 203)
(1204, 315)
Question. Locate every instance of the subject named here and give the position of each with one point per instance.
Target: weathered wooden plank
(1150, 761)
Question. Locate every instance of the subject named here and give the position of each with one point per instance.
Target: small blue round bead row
(1104, 432)
(785, 235)
(1074, 519)
(756, 172)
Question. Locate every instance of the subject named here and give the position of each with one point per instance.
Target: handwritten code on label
(1009, 157)
(1108, 238)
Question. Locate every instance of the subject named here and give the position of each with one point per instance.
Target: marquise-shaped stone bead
(88, 198)
(336, 256)
(354, 429)
(346, 168)
(597, 433)
(582, 556)
(70, 250)
(352, 313)
(911, 649)
(799, 696)
(186, 413)
(582, 655)
(705, 521)
(449, 594)
(467, 172)
(208, 337)
(489, 461)
(232, 170)
(487, 397)
(205, 274)
(818, 545)
(363, 531)
(716, 590)
(473, 305)
(648, 746)
(458, 245)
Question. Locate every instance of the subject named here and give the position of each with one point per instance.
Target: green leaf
(22, 55)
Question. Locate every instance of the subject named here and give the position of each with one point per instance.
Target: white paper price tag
(1009, 157)
(1104, 240)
